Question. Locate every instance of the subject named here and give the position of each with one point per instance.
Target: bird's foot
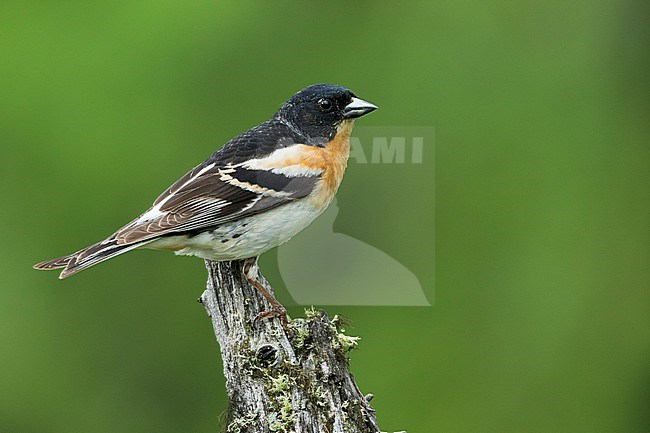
(276, 311)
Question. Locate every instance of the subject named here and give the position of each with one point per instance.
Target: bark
(277, 381)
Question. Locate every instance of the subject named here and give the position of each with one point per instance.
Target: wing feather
(210, 195)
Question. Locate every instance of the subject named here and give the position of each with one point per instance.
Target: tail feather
(60, 262)
(87, 257)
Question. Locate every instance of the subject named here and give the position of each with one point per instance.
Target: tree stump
(277, 381)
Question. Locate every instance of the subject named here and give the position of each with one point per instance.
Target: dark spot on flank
(223, 241)
(236, 235)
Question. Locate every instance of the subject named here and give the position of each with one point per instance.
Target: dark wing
(210, 196)
(223, 189)
(257, 142)
(205, 197)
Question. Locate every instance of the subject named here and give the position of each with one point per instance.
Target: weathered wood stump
(281, 381)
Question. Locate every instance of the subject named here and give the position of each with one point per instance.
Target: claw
(276, 311)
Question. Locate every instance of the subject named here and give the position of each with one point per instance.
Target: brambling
(253, 194)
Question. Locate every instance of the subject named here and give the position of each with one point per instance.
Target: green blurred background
(541, 319)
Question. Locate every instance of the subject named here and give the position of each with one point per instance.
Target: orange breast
(332, 160)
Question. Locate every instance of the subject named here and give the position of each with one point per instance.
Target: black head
(316, 111)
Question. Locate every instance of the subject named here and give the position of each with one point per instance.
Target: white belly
(248, 237)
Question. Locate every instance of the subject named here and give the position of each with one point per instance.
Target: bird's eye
(325, 104)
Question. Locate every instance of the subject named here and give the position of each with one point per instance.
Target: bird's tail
(87, 257)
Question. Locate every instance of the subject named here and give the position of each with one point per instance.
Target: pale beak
(357, 108)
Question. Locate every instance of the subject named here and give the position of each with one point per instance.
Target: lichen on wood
(280, 381)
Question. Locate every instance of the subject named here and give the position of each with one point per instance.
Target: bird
(254, 193)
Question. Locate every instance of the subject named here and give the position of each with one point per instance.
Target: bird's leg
(277, 310)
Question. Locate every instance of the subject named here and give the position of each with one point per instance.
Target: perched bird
(253, 194)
